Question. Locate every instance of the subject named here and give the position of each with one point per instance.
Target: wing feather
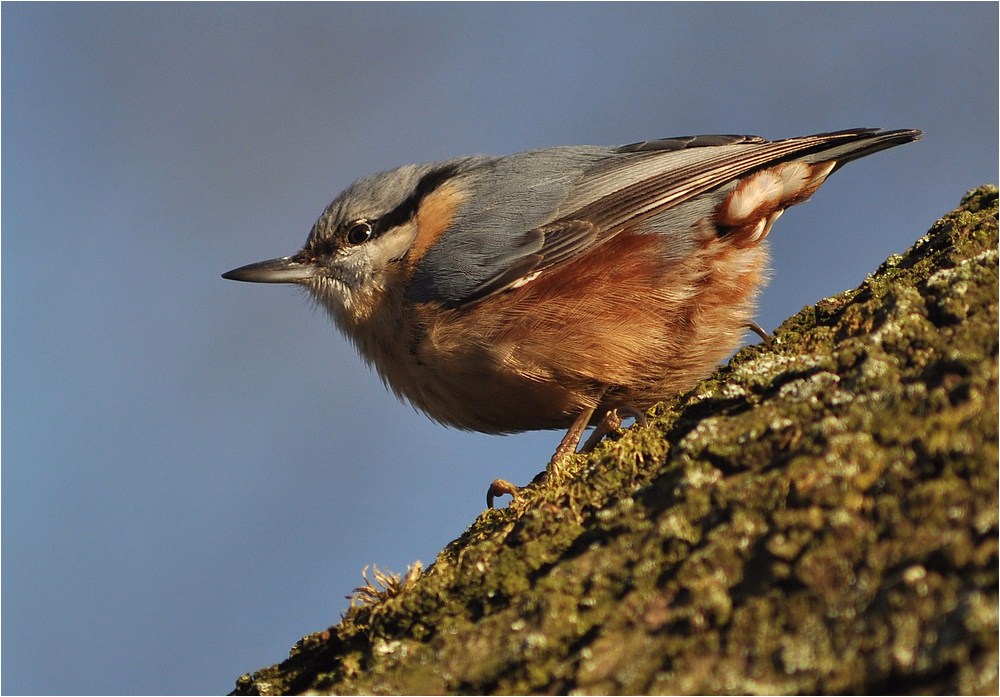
(594, 193)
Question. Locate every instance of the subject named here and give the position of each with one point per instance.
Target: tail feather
(749, 210)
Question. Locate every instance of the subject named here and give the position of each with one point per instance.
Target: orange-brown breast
(620, 316)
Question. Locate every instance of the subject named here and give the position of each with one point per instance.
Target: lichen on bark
(818, 516)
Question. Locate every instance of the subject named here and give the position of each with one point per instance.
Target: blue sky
(195, 471)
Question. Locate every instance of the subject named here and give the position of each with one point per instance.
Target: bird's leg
(611, 422)
(499, 487)
(571, 441)
(567, 446)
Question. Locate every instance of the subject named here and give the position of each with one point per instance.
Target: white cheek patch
(391, 246)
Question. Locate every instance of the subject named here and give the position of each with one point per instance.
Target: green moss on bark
(818, 516)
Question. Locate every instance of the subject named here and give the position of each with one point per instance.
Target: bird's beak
(283, 270)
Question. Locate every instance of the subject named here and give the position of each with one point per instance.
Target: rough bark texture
(819, 516)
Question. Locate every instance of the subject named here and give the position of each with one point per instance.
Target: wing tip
(890, 137)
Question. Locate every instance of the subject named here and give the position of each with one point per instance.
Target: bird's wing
(537, 210)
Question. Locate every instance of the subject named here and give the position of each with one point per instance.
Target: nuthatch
(549, 288)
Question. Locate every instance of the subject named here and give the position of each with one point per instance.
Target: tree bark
(819, 516)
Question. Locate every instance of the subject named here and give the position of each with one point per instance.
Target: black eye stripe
(324, 244)
(408, 208)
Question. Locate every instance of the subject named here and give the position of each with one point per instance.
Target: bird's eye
(359, 232)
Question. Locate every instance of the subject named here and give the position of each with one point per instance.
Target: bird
(556, 288)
